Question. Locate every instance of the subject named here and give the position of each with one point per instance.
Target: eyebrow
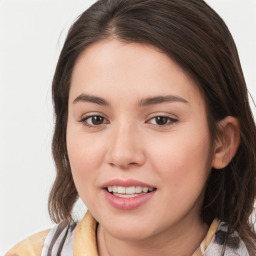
(161, 99)
(90, 98)
(144, 102)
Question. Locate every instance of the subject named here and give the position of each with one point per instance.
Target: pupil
(96, 120)
(161, 120)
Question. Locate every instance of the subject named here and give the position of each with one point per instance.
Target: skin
(175, 157)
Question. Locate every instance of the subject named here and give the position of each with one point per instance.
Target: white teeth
(145, 189)
(121, 190)
(129, 190)
(127, 196)
(138, 189)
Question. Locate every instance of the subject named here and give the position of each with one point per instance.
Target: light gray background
(31, 36)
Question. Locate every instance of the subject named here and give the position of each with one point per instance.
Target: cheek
(85, 154)
(83, 150)
(182, 161)
(183, 170)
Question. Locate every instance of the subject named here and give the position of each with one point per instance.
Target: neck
(183, 239)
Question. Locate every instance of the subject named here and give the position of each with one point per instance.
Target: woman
(154, 133)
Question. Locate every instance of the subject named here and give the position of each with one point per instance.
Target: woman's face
(137, 125)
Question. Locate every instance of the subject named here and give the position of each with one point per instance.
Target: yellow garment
(85, 240)
(85, 237)
(203, 246)
(32, 246)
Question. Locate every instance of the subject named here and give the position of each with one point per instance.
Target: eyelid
(92, 113)
(85, 117)
(172, 119)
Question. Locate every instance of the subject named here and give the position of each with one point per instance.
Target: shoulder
(31, 246)
(49, 242)
(226, 242)
(60, 239)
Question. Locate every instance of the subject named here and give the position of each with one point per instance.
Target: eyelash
(167, 121)
(84, 121)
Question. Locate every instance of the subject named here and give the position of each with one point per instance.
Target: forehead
(111, 67)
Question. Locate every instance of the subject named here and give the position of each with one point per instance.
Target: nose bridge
(125, 148)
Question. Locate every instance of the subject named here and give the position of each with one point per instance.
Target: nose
(125, 148)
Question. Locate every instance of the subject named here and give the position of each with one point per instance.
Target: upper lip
(126, 183)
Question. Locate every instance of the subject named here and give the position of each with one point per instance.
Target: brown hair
(194, 36)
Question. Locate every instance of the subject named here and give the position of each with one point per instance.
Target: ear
(227, 143)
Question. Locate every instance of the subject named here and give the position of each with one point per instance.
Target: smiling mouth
(129, 192)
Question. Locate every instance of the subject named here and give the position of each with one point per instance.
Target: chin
(129, 233)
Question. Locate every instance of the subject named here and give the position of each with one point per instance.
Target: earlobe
(227, 144)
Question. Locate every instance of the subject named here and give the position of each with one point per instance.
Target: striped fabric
(226, 245)
(60, 240)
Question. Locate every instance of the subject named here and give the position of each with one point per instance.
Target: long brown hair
(194, 36)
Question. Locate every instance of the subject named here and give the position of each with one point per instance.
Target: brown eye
(94, 120)
(162, 120)
(97, 120)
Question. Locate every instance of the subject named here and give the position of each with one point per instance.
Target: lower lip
(127, 203)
